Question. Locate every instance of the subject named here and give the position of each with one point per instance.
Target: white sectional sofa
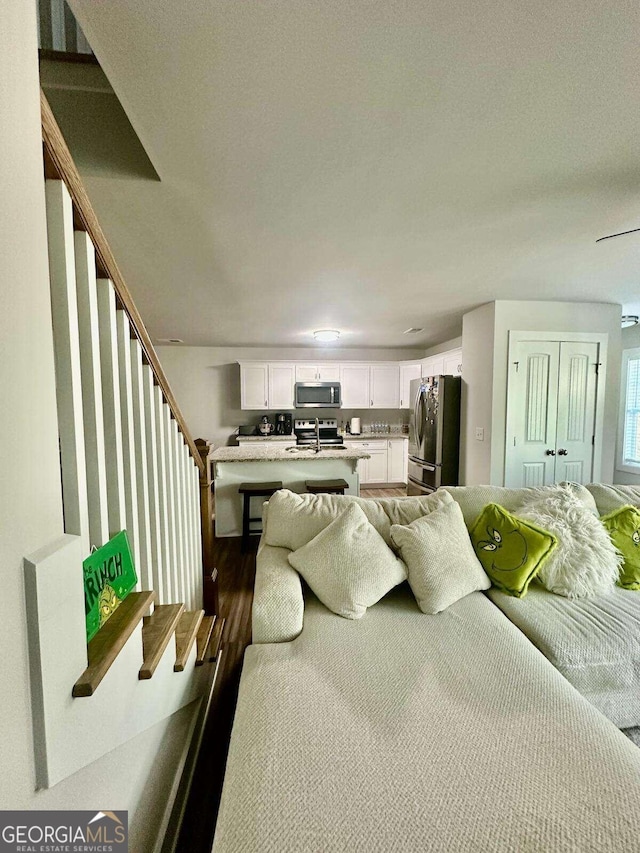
(402, 731)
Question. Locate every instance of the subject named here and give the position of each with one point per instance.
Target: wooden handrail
(59, 165)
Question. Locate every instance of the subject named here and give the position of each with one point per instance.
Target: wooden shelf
(215, 643)
(157, 630)
(110, 639)
(186, 633)
(202, 640)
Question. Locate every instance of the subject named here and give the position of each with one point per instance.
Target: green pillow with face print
(623, 526)
(511, 550)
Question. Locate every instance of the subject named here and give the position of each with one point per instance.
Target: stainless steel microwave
(318, 395)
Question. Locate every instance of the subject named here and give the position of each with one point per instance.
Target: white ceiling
(369, 165)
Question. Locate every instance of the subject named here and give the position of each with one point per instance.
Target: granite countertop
(255, 453)
(255, 438)
(365, 436)
(370, 436)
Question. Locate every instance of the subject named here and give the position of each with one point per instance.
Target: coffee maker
(284, 423)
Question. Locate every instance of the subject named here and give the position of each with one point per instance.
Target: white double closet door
(551, 412)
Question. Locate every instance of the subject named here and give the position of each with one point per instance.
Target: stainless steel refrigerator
(434, 433)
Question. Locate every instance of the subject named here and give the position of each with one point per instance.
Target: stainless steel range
(322, 431)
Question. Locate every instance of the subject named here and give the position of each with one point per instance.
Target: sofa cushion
(293, 520)
(586, 562)
(510, 549)
(623, 526)
(473, 499)
(594, 642)
(608, 498)
(278, 605)
(348, 564)
(440, 559)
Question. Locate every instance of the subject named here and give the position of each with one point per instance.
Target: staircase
(128, 463)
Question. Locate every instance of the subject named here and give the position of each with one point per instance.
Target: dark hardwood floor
(236, 574)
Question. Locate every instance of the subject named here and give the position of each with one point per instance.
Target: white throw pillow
(585, 563)
(441, 563)
(348, 564)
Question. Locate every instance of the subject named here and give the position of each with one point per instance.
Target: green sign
(109, 576)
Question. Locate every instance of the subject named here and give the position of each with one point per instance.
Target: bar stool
(329, 487)
(254, 490)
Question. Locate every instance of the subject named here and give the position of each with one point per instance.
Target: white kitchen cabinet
(354, 379)
(376, 469)
(254, 386)
(306, 372)
(282, 378)
(384, 383)
(329, 372)
(318, 372)
(397, 460)
(452, 363)
(408, 372)
(433, 366)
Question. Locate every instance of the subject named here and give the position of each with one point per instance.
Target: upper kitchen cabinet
(354, 379)
(318, 372)
(254, 386)
(282, 378)
(433, 366)
(384, 382)
(408, 372)
(453, 363)
(443, 364)
(266, 386)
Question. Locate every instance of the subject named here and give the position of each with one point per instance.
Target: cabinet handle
(400, 403)
(550, 452)
(265, 404)
(372, 403)
(563, 452)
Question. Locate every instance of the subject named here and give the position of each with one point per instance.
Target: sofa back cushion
(473, 499)
(292, 520)
(608, 498)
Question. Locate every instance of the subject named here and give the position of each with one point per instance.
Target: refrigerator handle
(418, 431)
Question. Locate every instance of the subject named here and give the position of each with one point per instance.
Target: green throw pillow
(623, 526)
(510, 549)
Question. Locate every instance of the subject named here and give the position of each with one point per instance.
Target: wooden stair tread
(157, 630)
(186, 633)
(110, 639)
(202, 640)
(215, 643)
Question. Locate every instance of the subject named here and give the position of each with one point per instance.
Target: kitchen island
(292, 466)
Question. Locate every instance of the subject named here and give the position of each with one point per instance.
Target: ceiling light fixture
(629, 320)
(326, 335)
(412, 331)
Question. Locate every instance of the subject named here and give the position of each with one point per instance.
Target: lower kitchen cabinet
(388, 462)
(397, 460)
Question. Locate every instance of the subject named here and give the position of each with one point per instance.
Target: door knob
(562, 452)
(550, 452)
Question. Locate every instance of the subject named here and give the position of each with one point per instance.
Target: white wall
(477, 394)
(630, 339)
(484, 461)
(445, 346)
(138, 775)
(206, 383)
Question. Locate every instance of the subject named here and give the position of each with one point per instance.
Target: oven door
(424, 477)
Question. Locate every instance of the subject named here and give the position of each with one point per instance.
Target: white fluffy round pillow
(586, 562)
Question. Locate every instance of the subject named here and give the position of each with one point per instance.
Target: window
(630, 411)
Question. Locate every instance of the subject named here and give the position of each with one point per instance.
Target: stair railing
(128, 460)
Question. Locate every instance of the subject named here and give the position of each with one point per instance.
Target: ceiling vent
(412, 331)
(170, 341)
